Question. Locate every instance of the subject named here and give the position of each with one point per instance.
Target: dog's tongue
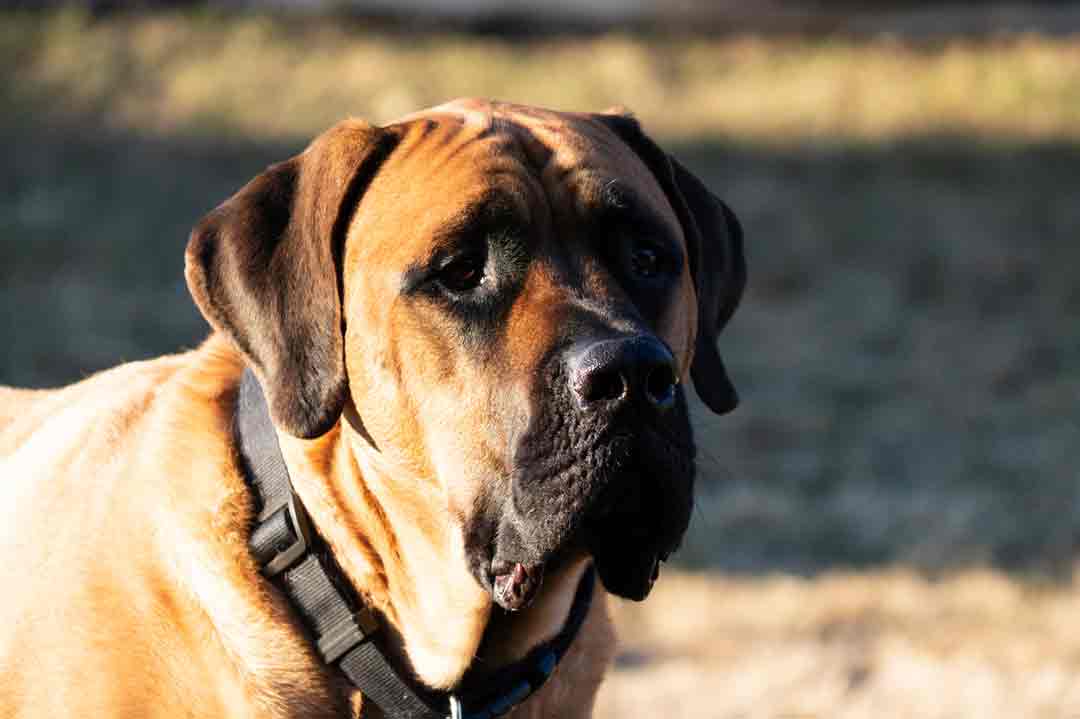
(516, 588)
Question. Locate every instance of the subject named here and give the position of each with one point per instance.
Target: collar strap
(295, 559)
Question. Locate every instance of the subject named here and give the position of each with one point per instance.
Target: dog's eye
(463, 273)
(645, 261)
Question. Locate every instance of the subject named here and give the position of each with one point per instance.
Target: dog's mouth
(638, 520)
(513, 571)
(514, 585)
(624, 499)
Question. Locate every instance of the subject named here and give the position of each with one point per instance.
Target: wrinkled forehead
(577, 149)
(457, 162)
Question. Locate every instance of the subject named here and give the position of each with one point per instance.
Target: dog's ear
(715, 246)
(264, 269)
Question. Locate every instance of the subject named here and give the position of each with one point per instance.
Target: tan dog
(472, 328)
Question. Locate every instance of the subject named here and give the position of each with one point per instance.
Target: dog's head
(505, 303)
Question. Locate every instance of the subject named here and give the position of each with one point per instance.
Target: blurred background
(888, 525)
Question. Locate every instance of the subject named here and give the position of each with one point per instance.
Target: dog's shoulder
(121, 508)
(134, 436)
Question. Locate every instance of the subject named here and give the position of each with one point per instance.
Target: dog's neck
(399, 547)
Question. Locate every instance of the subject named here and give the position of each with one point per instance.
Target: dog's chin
(626, 568)
(628, 514)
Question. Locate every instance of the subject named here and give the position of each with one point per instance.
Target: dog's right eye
(462, 273)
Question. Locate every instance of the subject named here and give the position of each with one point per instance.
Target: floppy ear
(264, 269)
(715, 245)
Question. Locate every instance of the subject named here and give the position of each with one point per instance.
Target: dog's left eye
(646, 261)
(463, 273)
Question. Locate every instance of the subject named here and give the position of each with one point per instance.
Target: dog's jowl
(440, 415)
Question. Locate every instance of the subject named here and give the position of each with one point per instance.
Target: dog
(471, 330)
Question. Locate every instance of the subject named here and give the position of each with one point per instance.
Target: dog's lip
(535, 568)
(514, 585)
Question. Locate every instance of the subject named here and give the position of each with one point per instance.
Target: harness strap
(296, 561)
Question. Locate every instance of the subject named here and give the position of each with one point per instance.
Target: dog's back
(18, 404)
(78, 416)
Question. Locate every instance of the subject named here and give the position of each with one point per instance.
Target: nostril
(605, 386)
(660, 387)
(607, 374)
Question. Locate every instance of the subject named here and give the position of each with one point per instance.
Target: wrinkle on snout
(535, 321)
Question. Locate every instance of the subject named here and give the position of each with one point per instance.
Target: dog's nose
(613, 372)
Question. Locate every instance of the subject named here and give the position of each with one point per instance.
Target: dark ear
(715, 245)
(264, 269)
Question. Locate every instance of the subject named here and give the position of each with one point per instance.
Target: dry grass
(259, 76)
(878, 644)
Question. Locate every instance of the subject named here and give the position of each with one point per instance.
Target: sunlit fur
(129, 587)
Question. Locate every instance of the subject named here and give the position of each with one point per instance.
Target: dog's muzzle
(605, 467)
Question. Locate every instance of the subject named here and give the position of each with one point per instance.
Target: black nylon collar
(297, 562)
